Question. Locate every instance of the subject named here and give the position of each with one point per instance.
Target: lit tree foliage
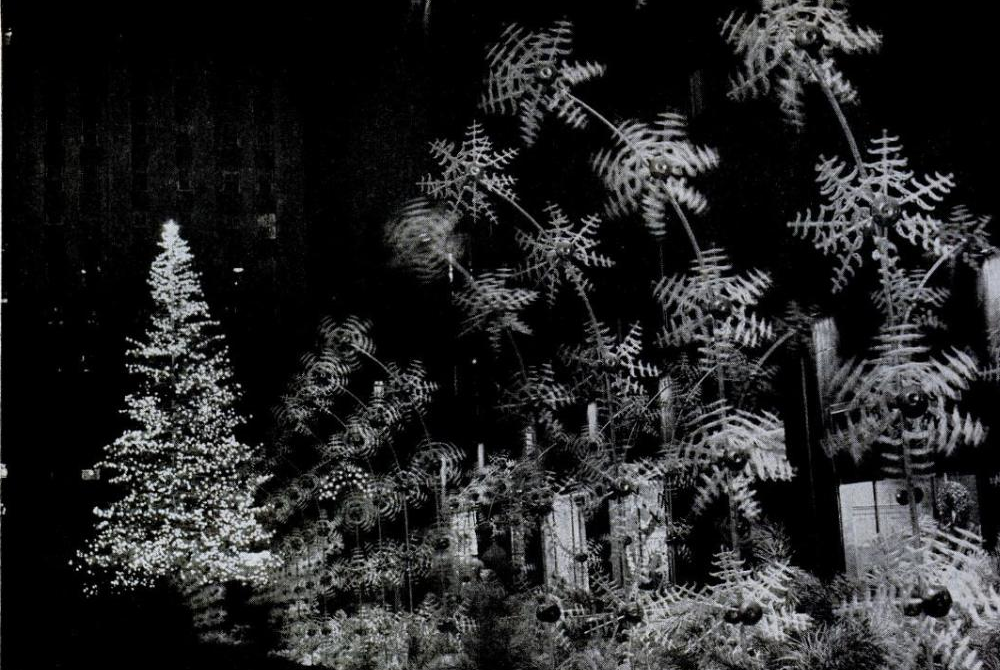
(186, 512)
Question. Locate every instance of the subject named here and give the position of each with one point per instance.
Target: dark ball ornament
(378, 418)
(660, 167)
(650, 581)
(582, 557)
(621, 488)
(885, 210)
(809, 39)
(546, 73)
(903, 497)
(937, 602)
(564, 249)
(718, 307)
(751, 614)
(447, 626)
(735, 461)
(631, 612)
(355, 438)
(732, 616)
(913, 402)
(442, 544)
(548, 613)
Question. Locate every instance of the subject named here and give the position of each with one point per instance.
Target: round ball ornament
(718, 306)
(751, 614)
(885, 210)
(903, 496)
(937, 602)
(913, 402)
(735, 461)
(809, 39)
(631, 612)
(732, 616)
(549, 612)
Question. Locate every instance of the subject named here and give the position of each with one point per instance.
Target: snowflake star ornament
(793, 42)
(423, 240)
(649, 169)
(470, 172)
(561, 252)
(711, 308)
(494, 306)
(881, 198)
(730, 622)
(530, 74)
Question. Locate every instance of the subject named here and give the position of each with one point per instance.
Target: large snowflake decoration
(561, 252)
(530, 75)
(609, 371)
(711, 308)
(537, 393)
(926, 599)
(493, 306)
(905, 295)
(793, 42)
(423, 240)
(606, 358)
(884, 197)
(324, 373)
(728, 449)
(649, 167)
(901, 402)
(968, 235)
(470, 173)
(728, 623)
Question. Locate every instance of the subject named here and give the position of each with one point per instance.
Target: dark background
(299, 129)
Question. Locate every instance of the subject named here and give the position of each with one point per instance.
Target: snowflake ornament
(968, 234)
(423, 240)
(610, 372)
(793, 42)
(649, 170)
(493, 306)
(711, 308)
(606, 358)
(902, 403)
(881, 198)
(727, 450)
(530, 74)
(470, 173)
(729, 622)
(561, 252)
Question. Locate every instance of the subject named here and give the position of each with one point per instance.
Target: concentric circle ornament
(358, 512)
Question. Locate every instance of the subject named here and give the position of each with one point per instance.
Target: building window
(183, 179)
(230, 182)
(140, 190)
(184, 152)
(268, 225)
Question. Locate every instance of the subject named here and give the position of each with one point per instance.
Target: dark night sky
(372, 89)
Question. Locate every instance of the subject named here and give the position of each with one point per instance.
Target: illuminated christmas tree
(186, 510)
